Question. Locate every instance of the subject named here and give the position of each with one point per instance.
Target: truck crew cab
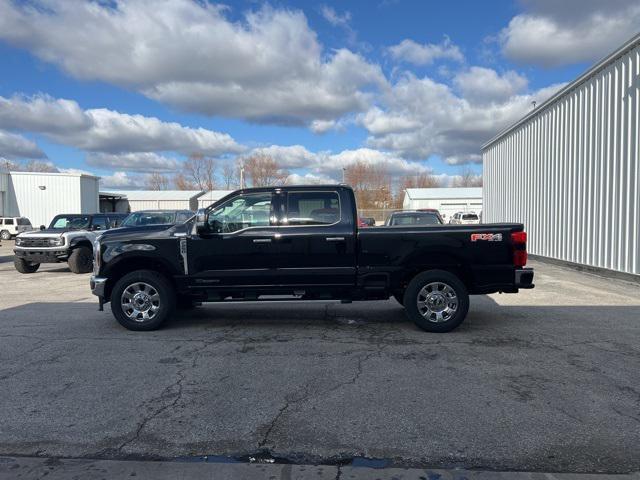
(303, 242)
(69, 238)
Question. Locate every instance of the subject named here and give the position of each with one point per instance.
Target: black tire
(443, 317)
(5, 235)
(25, 267)
(81, 260)
(158, 283)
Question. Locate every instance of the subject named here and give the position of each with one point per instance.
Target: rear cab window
(24, 221)
(307, 208)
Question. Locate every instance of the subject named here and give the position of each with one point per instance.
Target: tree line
(374, 186)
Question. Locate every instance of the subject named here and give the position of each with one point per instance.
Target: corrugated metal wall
(570, 173)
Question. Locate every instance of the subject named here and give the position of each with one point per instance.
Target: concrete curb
(26, 468)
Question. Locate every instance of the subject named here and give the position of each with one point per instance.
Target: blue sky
(416, 86)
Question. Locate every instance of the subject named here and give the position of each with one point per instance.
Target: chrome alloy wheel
(140, 302)
(437, 302)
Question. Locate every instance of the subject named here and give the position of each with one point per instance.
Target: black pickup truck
(303, 242)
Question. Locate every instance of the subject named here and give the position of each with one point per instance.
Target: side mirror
(202, 222)
(42, 227)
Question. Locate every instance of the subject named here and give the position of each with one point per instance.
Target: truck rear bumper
(524, 278)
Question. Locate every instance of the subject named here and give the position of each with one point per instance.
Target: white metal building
(447, 200)
(135, 200)
(40, 196)
(570, 169)
(211, 196)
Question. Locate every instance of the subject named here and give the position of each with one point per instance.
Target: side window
(313, 208)
(243, 211)
(8, 221)
(100, 223)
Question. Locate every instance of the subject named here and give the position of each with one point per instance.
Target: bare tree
(263, 171)
(200, 170)
(421, 180)
(467, 178)
(371, 184)
(39, 166)
(182, 183)
(230, 175)
(157, 181)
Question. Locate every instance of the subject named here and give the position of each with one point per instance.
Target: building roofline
(57, 174)
(605, 62)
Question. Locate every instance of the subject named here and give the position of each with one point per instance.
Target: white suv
(462, 218)
(12, 226)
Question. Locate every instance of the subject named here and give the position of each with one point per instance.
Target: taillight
(519, 241)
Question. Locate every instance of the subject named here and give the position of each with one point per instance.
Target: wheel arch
(129, 264)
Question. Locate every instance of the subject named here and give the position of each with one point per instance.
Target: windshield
(416, 219)
(24, 221)
(69, 222)
(148, 218)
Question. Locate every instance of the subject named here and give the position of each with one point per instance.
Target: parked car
(417, 217)
(68, 238)
(462, 218)
(303, 243)
(12, 226)
(364, 222)
(157, 217)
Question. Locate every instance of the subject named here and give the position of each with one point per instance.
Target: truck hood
(143, 231)
(46, 233)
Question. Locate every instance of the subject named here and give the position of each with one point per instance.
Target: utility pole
(241, 176)
(344, 174)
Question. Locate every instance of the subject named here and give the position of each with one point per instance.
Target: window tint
(24, 221)
(470, 216)
(417, 219)
(100, 223)
(182, 217)
(313, 208)
(243, 211)
(8, 221)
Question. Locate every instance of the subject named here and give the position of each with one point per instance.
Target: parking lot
(545, 380)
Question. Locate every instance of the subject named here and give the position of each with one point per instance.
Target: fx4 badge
(487, 237)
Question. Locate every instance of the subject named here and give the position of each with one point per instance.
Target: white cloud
(330, 165)
(120, 180)
(267, 66)
(425, 54)
(16, 146)
(106, 130)
(423, 117)
(552, 33)
(145, 162)
(310, 179)
(485, 85)
(334, 18)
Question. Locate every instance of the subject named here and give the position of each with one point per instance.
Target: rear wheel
(436, 301)
(142, 300)
(5, 235)
(25, 267)
(81, 260)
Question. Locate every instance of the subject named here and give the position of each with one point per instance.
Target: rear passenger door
(317, 239)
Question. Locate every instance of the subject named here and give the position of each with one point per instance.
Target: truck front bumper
(42, 255)
(524, 278)
(98, 285)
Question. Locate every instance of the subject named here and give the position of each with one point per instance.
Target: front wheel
(436, 301)
(142, 300)
(81, 260)
(25, 267)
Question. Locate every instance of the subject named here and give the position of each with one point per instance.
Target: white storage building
(570, 169)
(40, 196)
(211, 196)
(447, 200)
(135, 200)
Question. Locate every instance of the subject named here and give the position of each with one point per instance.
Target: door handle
(261, 240)
(335, 239)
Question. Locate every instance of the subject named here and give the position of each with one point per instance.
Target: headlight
(56, 242)
(18, 241)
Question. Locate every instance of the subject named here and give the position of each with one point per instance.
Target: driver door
(241, 248)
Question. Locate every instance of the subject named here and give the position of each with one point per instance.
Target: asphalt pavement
(546, 380)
